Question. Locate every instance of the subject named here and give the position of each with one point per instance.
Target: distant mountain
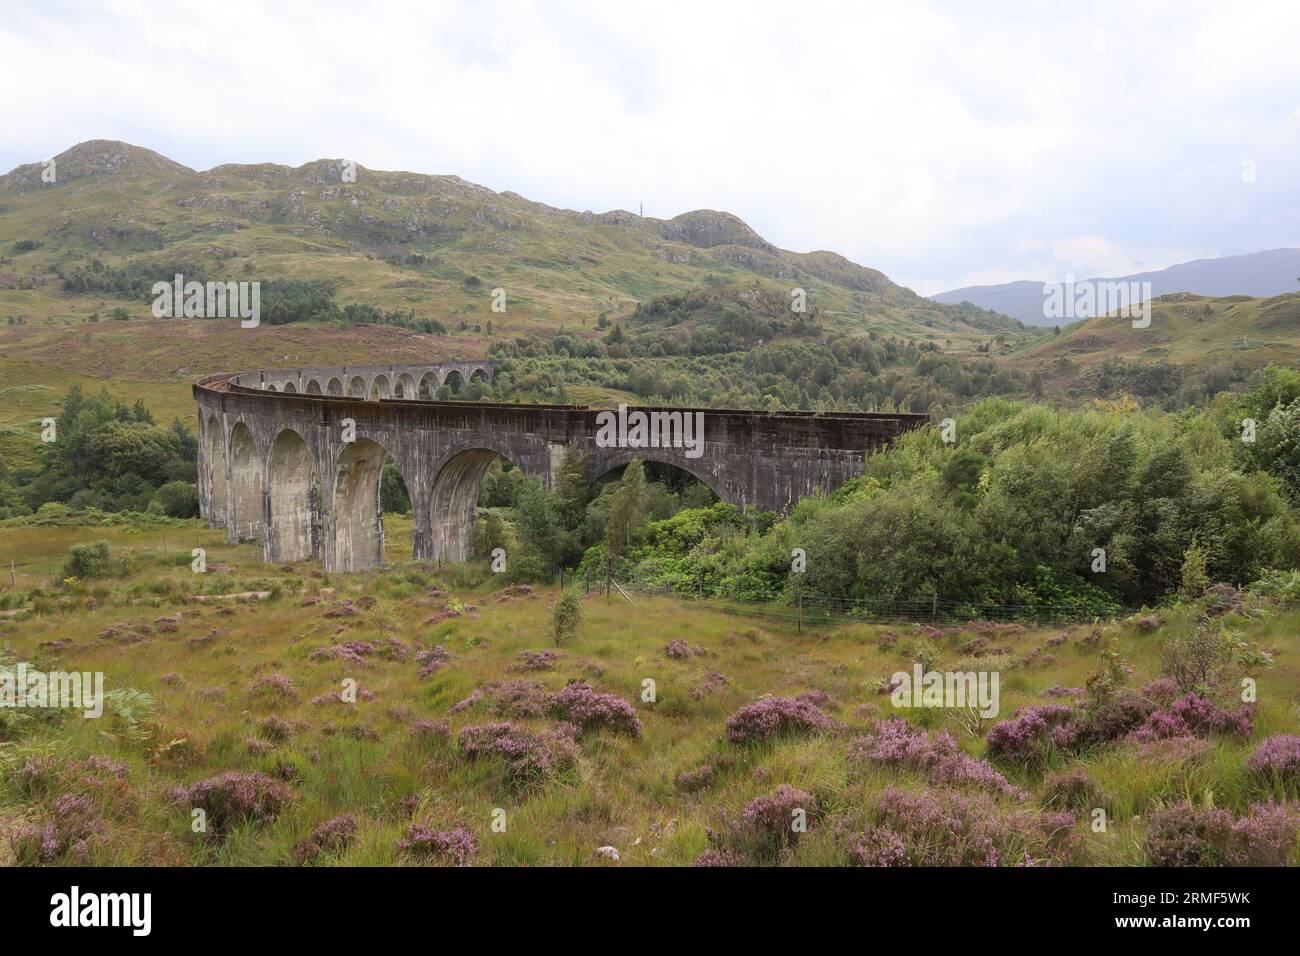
(1258, 274)
(433, 246)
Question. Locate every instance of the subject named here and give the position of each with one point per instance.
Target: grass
(364, 759)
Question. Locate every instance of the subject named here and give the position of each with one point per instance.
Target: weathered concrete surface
(273, 462)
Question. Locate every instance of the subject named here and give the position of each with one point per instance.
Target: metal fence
(814, 611)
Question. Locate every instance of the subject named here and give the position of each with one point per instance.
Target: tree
(538, 531)
(566, 617)
(393, 497)
(571, 493)
(1193, 578)
(627, 511)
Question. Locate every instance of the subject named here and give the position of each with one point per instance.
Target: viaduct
(276, 463)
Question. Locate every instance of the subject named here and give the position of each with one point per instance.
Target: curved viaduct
(275, 461)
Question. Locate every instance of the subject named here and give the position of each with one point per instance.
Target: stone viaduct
(275, 463)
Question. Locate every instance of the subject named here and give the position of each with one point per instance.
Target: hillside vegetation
(120, 217)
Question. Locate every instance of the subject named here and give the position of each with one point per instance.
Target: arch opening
(293, 512)
(216, 467)
(334, 387)
(381, 388)
(457, 494)
(290, 387)
(666, 488)
(356, 508)
(245, 486)
(452, 384)
(357, 387)
(428, 386)
(313, 387)
(405, 387)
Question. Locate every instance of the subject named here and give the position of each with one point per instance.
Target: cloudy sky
(942, 144)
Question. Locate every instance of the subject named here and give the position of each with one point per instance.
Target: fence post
(13, 575)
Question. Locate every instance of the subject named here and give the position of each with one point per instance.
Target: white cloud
(932, 141)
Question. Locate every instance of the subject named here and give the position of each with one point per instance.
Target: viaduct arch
(275, 465)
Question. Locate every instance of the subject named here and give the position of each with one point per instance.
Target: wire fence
(11, 568)
(819, 610)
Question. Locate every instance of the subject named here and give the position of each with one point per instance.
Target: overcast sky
(943, 144)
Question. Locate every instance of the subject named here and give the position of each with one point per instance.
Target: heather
(1277, 759)
(1186, 835)
(896, 743)
(768, 825)
(579, 704)
(455, 846)
(332, 836)
(232, 798)
(528, 756)
(774, 717)
(944, 828)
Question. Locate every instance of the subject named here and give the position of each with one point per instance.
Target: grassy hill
(435, 245)
(1195, 345)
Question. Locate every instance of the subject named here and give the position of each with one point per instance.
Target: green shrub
(566, 618)
(92, 561)
(179, 499)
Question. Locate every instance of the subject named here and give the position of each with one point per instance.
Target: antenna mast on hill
(642, 208)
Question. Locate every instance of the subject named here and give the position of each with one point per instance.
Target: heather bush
(714, 857)
(528, 756)
(456, 846)
(1027, 736)
(274, 688)
(64, 834)
(1277, 760)
(431, 730)
(1033, 735)
(582, 706)
(895, 743)
(537, 660)
(433, 658)
(766, 827)
(332, 836)
(350, 652)
(38, 775)
(944, 828)
(519, 698)
(1194, 716)
(1072, 789)
(275, 728)
(776, 820)
(678, 649)
(703, 776)
(232, 798)
(1186, 835)
(772, 717)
